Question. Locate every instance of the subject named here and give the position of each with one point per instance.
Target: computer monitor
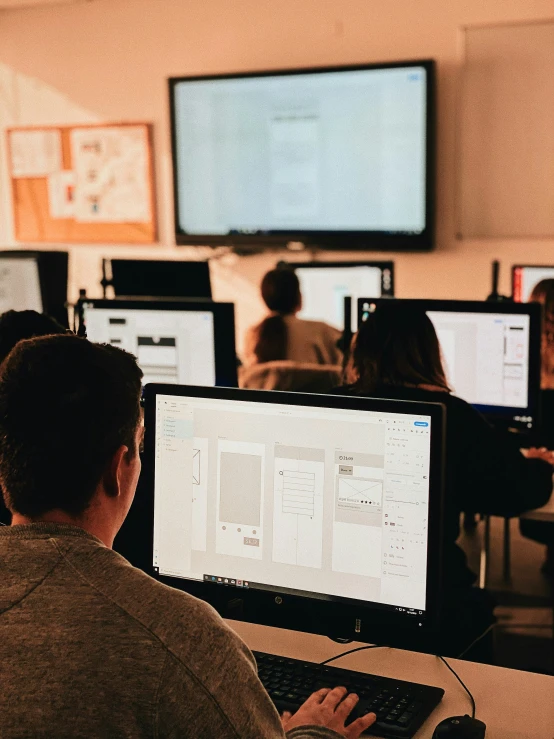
(318, 513)
(174, 341)
(324, 285)
(525, 277)
(159, 278)
(491, 354)
(34, 280)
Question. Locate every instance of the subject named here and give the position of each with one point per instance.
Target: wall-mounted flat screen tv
(339, 158)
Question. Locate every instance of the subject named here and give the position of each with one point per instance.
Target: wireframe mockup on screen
(324, 498)
(174, 342)
(19, 284)
(341, 155)
(526, 277)
(324, 285)
(490, 352)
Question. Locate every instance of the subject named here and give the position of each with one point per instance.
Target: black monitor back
(160, 278)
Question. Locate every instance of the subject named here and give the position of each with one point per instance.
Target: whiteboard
(505, 148)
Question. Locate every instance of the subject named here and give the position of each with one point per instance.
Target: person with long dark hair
(284, 336)
(396, 354)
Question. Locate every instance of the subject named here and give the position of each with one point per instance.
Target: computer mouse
(460, 727)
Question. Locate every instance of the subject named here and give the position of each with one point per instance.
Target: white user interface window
(486, 356)
(342, 151)
(19, 285)
(324, 289)
(528, 278)
(170, 346)
(326, 501)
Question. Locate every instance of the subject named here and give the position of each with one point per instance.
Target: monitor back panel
(159, 278)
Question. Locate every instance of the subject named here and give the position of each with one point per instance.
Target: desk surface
(513, 704)
(546, 513)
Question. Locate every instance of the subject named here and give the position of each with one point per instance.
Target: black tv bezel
(331, 240)
(335, 617)
(525, 266)
(205, 267)
(226, 370)
(503, 416)
(338, 264)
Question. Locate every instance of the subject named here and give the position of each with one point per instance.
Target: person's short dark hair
(396, 345)
(66, 406)
(16, 325)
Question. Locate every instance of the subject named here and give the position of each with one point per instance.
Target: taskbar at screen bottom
(213, 583)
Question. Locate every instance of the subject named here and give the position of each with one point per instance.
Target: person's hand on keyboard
(330, 708)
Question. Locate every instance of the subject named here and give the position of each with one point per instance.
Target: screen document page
(170, 346)
(325, 501)
(324, 289)
(486, 356)
(19, 285)
(335, 151)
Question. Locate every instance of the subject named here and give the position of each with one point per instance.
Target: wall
(108, 60)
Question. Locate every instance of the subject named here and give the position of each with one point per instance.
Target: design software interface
(19, 285)
(338, 151)
(170, 346)
(324, 289)
(526, 278)
(485, 355)
(332, 502)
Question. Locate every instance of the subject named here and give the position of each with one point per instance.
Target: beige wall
(108, 60)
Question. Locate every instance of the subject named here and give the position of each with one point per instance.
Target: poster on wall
(111, 169)
(35, 153)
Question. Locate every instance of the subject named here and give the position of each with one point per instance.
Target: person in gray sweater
(89, 645)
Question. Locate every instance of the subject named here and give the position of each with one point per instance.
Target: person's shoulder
(186, 626)
(317, 326)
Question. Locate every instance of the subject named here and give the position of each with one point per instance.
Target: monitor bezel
(382, 265)
(494, 414)
(226, 369)
(333, 240)
(525, 266)
(336, 617)
(205, 266)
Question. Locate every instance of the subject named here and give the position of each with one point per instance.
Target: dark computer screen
(160, 278)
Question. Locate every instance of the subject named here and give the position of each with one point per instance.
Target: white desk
(513, 704)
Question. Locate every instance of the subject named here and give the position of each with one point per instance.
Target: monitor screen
(338, 153)
(160, 278)
(490, 353)
(173, 343)
(322, 498)
(324, 285)
(525, 278)
(19, 284)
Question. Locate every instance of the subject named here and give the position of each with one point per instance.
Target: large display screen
(342, 156)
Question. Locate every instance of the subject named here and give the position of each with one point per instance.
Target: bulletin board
(87, 184)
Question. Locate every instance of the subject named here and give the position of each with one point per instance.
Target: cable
(474, 642)
(351, 651)
(459, 679)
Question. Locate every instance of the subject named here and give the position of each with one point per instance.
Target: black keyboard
(401, 707)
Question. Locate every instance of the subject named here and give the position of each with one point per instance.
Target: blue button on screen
(421, 423)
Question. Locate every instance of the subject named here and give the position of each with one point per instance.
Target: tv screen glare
(337, 158)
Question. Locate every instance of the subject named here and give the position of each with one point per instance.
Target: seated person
(396, 354)
(282, 335)
(91, 646)
(543, 531)
(14, 326)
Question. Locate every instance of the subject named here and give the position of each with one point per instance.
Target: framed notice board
(91, 184)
